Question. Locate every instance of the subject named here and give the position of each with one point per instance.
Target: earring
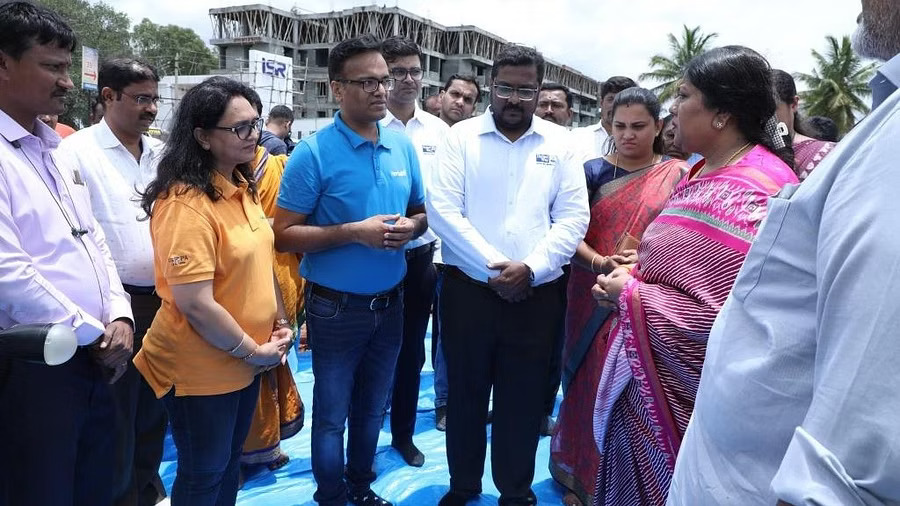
(718, 125)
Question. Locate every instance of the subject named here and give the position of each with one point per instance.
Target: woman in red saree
(627, 189)
(688, 260)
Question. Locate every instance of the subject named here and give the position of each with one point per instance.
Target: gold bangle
(592, 262)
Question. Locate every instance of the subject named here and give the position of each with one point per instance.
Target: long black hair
(785, 92)
(184, 161)
(738, 80)
(646, 98)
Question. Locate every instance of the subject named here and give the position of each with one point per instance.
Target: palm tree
(669, 69)
(837, 84)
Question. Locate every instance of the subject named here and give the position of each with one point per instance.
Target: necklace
(616, 164)
(731, 159)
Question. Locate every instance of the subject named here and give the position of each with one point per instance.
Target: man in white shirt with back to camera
(800, 394)
(117, 160)
(509, 203)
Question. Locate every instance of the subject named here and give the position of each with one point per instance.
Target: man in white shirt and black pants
(117, 160)
(509, 203)
(427, 132)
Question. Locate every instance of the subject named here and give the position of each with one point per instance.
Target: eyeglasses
(142, 100)
(400, 73)
(371, 85)
(524, 94)
(244, 129)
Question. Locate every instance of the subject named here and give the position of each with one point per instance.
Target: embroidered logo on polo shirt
(399, 173)
(545, 159)
(429, 150)
(178, 261)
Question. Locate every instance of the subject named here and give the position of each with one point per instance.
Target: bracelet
(239, 344)
(592, 262)
(247, 356)
(281, 323)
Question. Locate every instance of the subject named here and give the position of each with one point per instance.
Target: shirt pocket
(776, 210)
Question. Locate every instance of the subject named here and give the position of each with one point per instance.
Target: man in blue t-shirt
(351, 198)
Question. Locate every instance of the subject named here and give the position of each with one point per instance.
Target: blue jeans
(354, 352)
(209, 431)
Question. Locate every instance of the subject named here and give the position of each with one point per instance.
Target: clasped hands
(609, 287)
(273, 353)
(113, 349)
(377, 233)
(513, 284)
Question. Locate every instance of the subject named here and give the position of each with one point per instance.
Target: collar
(538, 126)
(886, 81)
(228, 188)
(417, 116)
(13, 131)
(106, 139)
(891, 70)
(354, 138)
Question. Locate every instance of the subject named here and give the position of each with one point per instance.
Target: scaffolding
(295, 32)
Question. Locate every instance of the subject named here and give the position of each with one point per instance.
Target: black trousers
(489, 342)
(56, 433)
(418, 295)
(140, 422)
(555, 377)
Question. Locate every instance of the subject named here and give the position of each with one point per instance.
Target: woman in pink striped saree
(688, 260)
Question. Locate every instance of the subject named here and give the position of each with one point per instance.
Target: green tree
(837, 85)
(98, 26)
(668, 70)
(172, 47)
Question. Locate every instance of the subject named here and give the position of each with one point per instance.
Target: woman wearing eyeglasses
(222, 320)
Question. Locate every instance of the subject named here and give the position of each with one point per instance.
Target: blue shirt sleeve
(417, 188)
(301, 185)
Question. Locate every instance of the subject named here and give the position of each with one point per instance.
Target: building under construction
(307, 38)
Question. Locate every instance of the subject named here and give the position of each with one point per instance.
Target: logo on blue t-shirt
(399, 173)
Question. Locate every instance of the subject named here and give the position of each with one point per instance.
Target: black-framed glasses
(371, 85)
(400, 73)
(142, 100)
(244, 130)
(524, 94)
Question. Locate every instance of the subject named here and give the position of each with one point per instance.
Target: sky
(600, 38)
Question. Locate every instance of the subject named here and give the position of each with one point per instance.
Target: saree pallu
(632, 202)
(279, 409)
(808, 154)
(689, 258)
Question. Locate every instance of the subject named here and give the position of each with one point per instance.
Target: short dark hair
(516, 55)
(469, 78)
(280, 112)
(558, 87)
(347, 49)
(822, 128)
(23, 25)
(117, 73)
(615, 84)
(394, 48)
(648, 99)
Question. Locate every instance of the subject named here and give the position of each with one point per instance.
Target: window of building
(321, 114)
(322, 57)
(321, 89)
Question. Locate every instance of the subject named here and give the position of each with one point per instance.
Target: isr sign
(274, 68)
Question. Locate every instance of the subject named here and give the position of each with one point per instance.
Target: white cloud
(599, 38)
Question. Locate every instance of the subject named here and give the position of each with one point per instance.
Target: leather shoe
(367, 498)
(548, 426)
(456, 498)
(440, 418)
(410, 453)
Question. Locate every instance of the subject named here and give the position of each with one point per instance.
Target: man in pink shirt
(56, 423)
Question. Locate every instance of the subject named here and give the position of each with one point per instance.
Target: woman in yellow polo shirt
(222, 319)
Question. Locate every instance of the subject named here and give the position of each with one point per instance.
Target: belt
(374, 301)
(421, 250)
(456, 272)
(139, 290)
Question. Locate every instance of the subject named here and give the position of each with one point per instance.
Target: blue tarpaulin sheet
(293, 484)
